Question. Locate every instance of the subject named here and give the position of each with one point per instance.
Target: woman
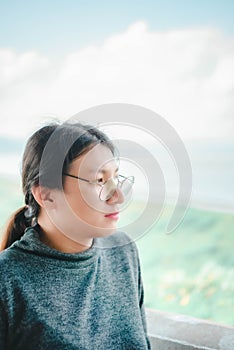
(67, 279)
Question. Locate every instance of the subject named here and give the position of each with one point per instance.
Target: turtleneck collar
(31, 243)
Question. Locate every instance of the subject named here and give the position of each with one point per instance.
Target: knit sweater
(91, 300)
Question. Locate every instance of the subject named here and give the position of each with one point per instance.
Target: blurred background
(173, 57)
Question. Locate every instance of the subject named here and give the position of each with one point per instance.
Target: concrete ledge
(179, 332)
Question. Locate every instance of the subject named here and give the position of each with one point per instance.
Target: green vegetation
(190, 271)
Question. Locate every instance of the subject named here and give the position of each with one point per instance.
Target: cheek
(85, 206)
(85, 203)
(89, 200)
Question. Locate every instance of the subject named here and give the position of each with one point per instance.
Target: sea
(210, 169)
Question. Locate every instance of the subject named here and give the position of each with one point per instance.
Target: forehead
(98, 158)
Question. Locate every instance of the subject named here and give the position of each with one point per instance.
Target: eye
(100, 180)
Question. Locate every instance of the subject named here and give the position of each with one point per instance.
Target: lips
(113, 216)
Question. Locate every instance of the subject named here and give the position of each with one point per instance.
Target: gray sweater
(91, 300)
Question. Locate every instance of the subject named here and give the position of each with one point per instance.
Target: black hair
(42, 157)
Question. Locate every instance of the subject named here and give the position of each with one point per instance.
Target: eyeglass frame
(94, 182)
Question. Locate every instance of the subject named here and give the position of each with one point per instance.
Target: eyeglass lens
(111, 185)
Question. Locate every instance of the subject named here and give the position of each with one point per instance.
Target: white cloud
(15, 68)
(187, 76)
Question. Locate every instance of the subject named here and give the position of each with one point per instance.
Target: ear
(43, 195)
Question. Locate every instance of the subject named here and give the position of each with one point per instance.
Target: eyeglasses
(109, 187)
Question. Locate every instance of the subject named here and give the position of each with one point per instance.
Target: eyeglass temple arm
(77, 177)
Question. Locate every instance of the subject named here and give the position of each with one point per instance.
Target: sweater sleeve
(3, 326)
(4, 290)
(141, 304)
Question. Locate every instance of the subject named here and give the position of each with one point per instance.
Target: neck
(54, 238)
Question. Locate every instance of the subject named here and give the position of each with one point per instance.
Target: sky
(173, 57)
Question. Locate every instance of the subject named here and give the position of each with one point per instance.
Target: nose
(117, 197)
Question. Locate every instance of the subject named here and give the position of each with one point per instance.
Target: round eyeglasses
(109, 187)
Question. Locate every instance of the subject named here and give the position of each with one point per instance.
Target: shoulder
(118, 240)
(6, 257)
(7, 268)
(119, 247)
(10, 262)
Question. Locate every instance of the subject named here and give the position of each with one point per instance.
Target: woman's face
(81, 210)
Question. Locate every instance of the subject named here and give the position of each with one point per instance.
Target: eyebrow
(103, 171)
